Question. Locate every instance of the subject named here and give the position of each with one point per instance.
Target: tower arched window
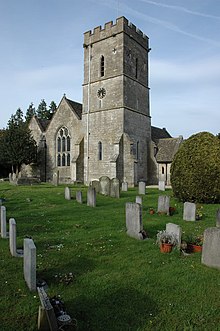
(63, 147)
(99, 150)
(102, 66)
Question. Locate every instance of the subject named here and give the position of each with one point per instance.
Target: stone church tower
(115, 116)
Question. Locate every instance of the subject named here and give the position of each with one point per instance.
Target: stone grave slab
(138, 199)
(79, 196)
(211, 247)
(104, 185)
(29, 265)
(4, 233)
(189, 211)
(218, 218)
(13, 240)
(67, 193)
(115, 188)
(133, 212)
(161, 185)
(176, 230)
(163, 204)
(91, 197)
(96, 185)
(124, 186)
(141, 187)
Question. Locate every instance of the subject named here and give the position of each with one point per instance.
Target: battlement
(111, 30)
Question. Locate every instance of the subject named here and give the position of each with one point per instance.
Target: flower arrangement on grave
(194, 243)
(166, 241)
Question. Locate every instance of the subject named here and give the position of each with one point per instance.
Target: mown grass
(119, 283)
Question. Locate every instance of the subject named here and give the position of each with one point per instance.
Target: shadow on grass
(117, 309)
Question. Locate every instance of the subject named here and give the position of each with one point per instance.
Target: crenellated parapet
(111, 30)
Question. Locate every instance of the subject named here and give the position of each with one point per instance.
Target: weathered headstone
(10, 177)
(79, 196)
(56, 178)
(115, 188)
(138, 199)
(67, 193)
(4, 233)
(124, 186)
(189, 211)
(161, 185)
(141, 187)
(104, 185)
(163, 204)
(96, 185)
(12, 239)
(46, 317)
(91, 197)
(211, 247)
(218, 218)
(176, 230)
(134, 220)
(30, 263)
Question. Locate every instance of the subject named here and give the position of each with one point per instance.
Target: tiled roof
(167, 148)
(158, 133)
(76, 107)
(42, 123)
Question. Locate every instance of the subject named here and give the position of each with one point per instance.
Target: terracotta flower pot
(166, 248)
(194, 248)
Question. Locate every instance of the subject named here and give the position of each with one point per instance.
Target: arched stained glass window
(63, 148)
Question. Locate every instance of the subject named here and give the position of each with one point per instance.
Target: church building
(110, 134)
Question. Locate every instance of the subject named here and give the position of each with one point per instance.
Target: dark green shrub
(195, 170)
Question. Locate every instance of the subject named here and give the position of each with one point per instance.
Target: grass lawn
(119, 283)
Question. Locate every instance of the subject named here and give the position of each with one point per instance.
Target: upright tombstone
(10, 177)
(134, 224)
(189, 211)
(91, 197)
(218, 218)
(161, 185)
(30, 263)
(115, 188)
(141, 187)
(124, 186)
(176, 230)
(3, 223)
(138, 199)
(67, 193)
(211, 248)
(104, 185)
(79, 196)
(163, 204)
(56, 178)
(12, 237)
(96, 185)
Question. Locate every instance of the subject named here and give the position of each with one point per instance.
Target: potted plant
(194, 243)
(199, 212)
(151, 211)
(172, 211)
(166, 241)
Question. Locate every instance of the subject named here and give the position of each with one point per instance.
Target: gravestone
(161, 185)
(176, 230)
(10, 177)
(189, 211)
(91, 197)
(141, 187)
(30, 263)
(56, 178)
(124, 186)
(104, 185)
(67, 193)
(218, 218)
(96, 185)
(163, 204)
(134, 224)
(115, 188)
(79, 196)
(46, 317)
(4, 233)
(211, 248)
(13, 240)
(138, 200)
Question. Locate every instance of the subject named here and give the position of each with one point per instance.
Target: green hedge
(195, 170)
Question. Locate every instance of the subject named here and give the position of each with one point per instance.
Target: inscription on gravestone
(104, 185)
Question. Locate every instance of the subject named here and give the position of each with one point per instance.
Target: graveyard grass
(117, 283)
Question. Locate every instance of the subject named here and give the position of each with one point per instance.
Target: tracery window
(63, 144)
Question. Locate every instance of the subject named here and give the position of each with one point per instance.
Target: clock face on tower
(101, 93)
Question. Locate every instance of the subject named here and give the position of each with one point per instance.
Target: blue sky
(41, 55)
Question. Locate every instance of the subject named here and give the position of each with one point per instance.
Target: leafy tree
(30, 112)
(17, 145)
(195, 170)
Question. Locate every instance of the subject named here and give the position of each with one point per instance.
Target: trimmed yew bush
(195, 170)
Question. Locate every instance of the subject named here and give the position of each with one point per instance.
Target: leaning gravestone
(138, 200)
(134, 224)
(163, 204)
(91, 197)
(67, 193)
(79, 196)
(124, 186)
(218, 218)
(141, 187)
(211, 248)
(30, 263)
(176, 230)
(161, 185)
(104, 185)
(96, 185)
(115, 188)
(13, 239)
(189, 211)
(46, 317)
(4, 233)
